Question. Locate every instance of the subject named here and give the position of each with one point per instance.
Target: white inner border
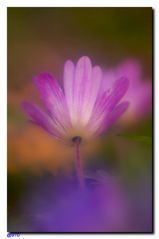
(3, 101)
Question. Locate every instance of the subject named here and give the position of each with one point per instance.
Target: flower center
(76, 139)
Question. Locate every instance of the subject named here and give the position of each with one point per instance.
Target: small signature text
(11, 234)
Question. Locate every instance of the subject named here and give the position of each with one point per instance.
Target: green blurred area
(107, 35)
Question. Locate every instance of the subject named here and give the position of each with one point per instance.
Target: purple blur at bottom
(104, 206)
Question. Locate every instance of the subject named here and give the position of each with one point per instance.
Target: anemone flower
(139, 93)
(80, 110)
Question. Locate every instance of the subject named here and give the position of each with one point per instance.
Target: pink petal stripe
(82, 84)
(40, 118)
(111, 118)
(106, 103)
(91, 94)
(119, 89)
(98, 112)
(68, 78)
(53, 97)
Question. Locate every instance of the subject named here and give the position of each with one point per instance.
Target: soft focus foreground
(42, 188)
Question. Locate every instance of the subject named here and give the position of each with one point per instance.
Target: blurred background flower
(40, 39)
(139, 93)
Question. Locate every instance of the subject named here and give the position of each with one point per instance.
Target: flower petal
(119, 89)
(99, 112)
(82, 83)
(91, 94)
(116, 113)
(109, 78)
(68, 78)
(53, 97)
(111, 118)
(40, 118)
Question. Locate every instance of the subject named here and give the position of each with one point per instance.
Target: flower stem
(79, 168)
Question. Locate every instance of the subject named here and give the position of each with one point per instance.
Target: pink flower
(82, 108)
(139, 93)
